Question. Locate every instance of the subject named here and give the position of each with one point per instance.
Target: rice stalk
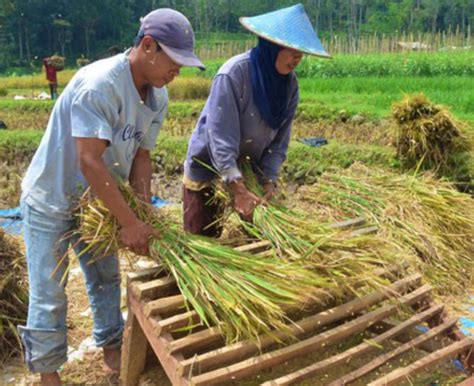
(347, 262)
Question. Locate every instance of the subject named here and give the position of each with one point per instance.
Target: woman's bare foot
(50, 379)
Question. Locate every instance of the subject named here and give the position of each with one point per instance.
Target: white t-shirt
(100, 101)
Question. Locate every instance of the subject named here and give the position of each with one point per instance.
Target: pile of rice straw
(426, 217)
(13, 296)
(428, 137)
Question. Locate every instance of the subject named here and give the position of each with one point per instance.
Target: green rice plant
(26, 105)
(241, 294)
(373, 95)
(426, 217)
(388, 64)
(36, 81)
(18, 146)
(13, 297)
(189, 88)
(414, 64)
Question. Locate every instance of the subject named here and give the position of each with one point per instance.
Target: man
(51, 77)
(103, 127)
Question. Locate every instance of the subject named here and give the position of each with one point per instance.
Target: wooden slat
(402, 374)
(155, 288)
(252, 365)
(145, 274)
(164, 305)
(350, 354)
(429, 346)
(134, 350)
(355, 222)
(176, 322)
(382, 359)
(159, 344)
(246, 348)
(196, 341)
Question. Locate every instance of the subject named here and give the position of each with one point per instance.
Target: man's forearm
(140, 176)
(104, 186)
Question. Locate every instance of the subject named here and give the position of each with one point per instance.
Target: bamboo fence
(365, 44)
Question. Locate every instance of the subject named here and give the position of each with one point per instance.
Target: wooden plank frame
(156, 311)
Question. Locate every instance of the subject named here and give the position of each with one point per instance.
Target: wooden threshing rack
(157, 312)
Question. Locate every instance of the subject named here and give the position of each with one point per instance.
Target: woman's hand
(270, 191)
(245, 201)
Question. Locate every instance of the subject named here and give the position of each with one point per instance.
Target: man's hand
(270, 191)
(134, 233)
(244, 201)
(136, 237)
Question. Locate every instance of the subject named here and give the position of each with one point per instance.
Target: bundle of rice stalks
(427, 217)
(57, 62)
(427, 136)
(82, 61)
(346, 262)
(241, 294)
(13, 296)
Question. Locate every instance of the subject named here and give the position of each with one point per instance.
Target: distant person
(247, 116)
(102, 129)
(51, 71)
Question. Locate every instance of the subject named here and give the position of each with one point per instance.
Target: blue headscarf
(269, 88)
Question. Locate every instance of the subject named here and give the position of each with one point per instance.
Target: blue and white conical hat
(288, 27)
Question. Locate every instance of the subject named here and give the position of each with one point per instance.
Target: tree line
(96, 28)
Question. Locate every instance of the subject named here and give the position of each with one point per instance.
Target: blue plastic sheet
(158, 202)
(467, 322)
(314, 141)
(11, 222)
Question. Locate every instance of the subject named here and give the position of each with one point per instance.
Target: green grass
(324, 98)
(342, 66)
(374, 96)
(390, 64)
(304, 163)
(18, 146)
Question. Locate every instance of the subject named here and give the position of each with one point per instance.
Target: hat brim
(183, 57)
(283, 43)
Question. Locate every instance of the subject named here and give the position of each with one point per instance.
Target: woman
(247, 116)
